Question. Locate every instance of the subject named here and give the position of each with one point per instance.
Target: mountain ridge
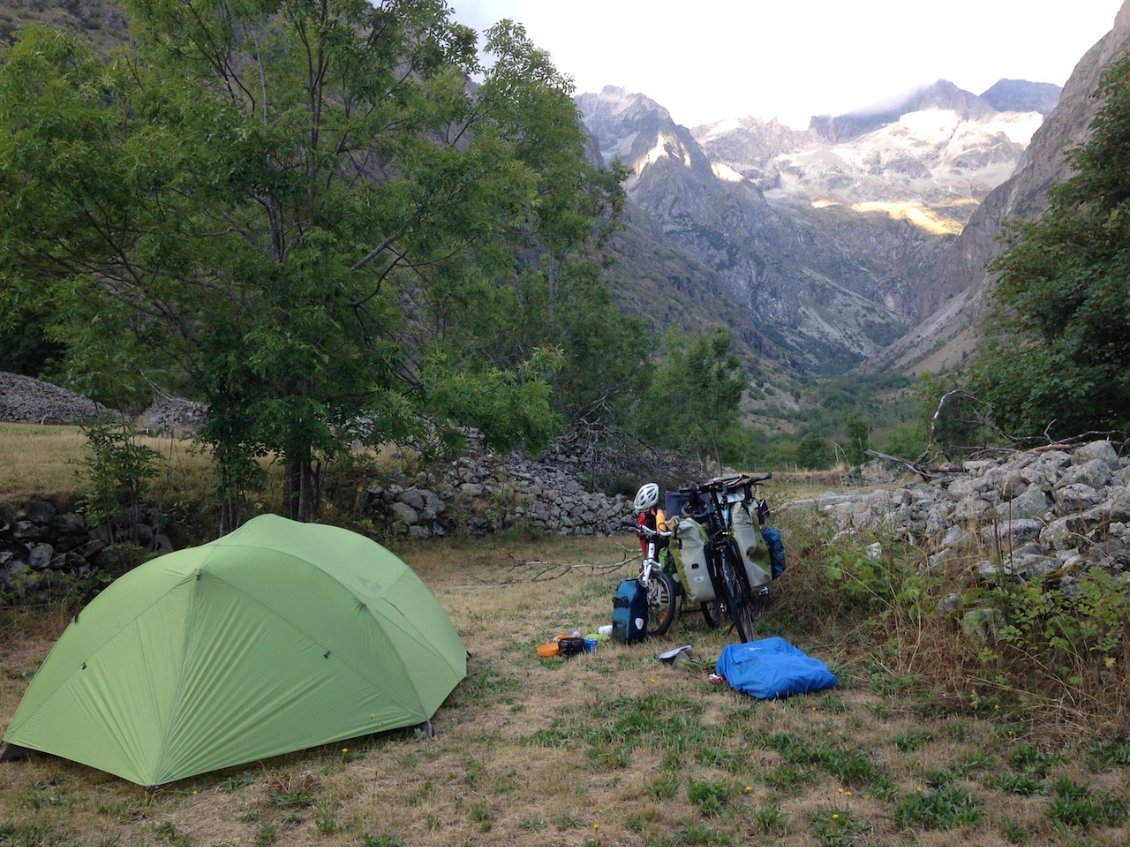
(822, 243)
(958, 290)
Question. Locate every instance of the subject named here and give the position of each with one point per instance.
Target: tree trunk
(302, 490)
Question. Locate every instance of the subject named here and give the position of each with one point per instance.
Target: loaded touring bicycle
(726, 563)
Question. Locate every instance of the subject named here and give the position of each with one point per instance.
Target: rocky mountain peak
(615, 103)
(1019, 95)
(640, 133)
(942, 95)
(955, 293)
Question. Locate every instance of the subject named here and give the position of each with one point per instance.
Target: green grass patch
(946, 807)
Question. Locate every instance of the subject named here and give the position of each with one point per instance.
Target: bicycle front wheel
(738, 600)
(660, 602)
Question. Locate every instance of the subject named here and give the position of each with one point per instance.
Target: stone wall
(483, 494)
(48, 553)
(1035, 513)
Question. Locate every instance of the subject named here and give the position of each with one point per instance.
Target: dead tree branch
(535, 570)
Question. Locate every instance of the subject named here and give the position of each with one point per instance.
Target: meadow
(610, 748)
(923, 741)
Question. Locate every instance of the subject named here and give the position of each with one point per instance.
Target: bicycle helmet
(647, 496)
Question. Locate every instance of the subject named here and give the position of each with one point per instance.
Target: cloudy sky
(711, 59)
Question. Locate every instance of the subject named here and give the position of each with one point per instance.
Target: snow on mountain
(928, 161)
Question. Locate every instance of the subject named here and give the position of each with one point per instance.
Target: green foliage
(508, 409)
(385, 839)
(911, 740)
(25, 346)
(906, 439)
(858, 439)
(1077, 805)
(849, 765)
(880, 582)
(770, 820)
(303, 209)
(1087, 622)
(695, 392)
(710, 796)
(1059, 361)
(1021, 784)
(117, 471)
(1109, 753)
(838, 828)
(1030, 759)
(698, 833)
(814, 451)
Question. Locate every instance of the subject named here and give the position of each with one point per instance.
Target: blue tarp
(772, 667)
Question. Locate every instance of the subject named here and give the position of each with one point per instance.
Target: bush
(118, 471)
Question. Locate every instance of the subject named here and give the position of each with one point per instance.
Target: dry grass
(39, 459)
(613, 748)
(47, 461)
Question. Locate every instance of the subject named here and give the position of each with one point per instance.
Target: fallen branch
(926, 475)
(536, 570)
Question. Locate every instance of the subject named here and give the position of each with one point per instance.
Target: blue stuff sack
(771, 668)
(772, 537)
(629, 612)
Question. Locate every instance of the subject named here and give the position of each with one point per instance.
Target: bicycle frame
(653, 577)
(649, 561)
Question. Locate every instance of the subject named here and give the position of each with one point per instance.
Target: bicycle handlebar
(728, 483)
(640, 529)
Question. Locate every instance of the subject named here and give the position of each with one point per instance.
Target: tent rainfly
(277, 637)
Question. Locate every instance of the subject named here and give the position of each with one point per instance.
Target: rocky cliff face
(954, 295)
(823, 245)
(792, 281)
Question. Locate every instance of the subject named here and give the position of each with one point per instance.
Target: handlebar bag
(690, 557)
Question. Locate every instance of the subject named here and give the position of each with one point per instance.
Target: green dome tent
(277, 637)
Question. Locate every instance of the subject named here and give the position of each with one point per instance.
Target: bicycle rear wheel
(711, 613)
(660, 602)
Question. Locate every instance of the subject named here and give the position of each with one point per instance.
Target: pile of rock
(1035, 513)
(27, 400)
(483, 494)
(24, 399)
(173, 416)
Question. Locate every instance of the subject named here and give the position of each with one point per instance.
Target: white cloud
(712, 59)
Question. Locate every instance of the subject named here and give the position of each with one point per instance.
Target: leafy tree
(118, 471)
(906, 439)
(554, 299)
(783, 453)
(695, 394)
(814, 451)
(745, 447)
(1058, 361)
(289, 200)
(24, 345)
(858, 440)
